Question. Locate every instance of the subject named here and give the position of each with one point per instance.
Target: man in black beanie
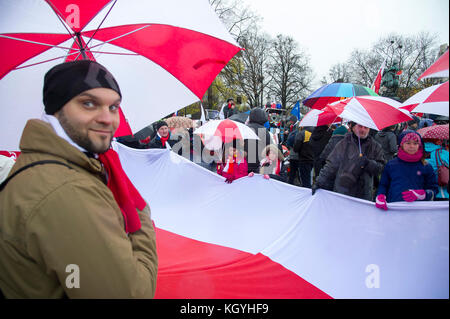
(70, 217)
(80, 86)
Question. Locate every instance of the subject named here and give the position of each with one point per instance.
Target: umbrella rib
(34, 42)
(37, 63)
(120, 36)
(59, 15)
(104, 18)
(45, 61)
(116, 53)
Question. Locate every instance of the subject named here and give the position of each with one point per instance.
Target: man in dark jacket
(289, 127)
(352, 164)
(253, 148)
(229, 109)
(336, 137)
(163, 138)
(319, 139)
(302, 146)
(388, 141)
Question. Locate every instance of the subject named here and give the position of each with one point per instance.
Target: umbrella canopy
(163, 54)
(439, 132)
(375, 112)
(124, 128)
(179, 122)
(438, 69)
(239, 117)
(334, 92)
(319, 118)
(227, 130)
(432, 100)
(146, 132)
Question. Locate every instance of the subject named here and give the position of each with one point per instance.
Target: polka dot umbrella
(439, 132)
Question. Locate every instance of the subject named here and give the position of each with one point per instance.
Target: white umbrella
(163, 54)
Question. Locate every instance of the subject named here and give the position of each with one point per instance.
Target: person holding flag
(352, 165)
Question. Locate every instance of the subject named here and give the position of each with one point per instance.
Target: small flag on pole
(377, 83)
(296, 110)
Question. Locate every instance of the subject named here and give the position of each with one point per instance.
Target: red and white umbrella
(225, 130)
(438, 69)
(439, 132)
(375, 112)
(163, 54)
(432, 100)
(319, 118)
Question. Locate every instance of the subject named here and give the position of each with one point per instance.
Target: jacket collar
(40, 137)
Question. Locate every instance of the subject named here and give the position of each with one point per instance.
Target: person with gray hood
(253, 148)
(388, 141)
(336, 137)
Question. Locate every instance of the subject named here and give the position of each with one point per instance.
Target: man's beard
(81, 139)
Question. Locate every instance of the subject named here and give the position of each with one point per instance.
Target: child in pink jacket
(233, 164)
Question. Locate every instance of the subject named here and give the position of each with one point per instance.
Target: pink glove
(266, 176)
(380, 202)
(251, 174)
(413, 194)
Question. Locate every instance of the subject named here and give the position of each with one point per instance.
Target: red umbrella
(164, 54)
(438, 69)
(375, 112)
(432, 100)
(439, 132)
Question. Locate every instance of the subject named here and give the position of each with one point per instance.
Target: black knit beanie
(67, 80)
(160, 124)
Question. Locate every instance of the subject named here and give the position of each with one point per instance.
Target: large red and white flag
(258, 238)
(377, 82)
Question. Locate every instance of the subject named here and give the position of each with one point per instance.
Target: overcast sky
(330, 30)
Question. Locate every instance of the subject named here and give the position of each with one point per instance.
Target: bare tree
(339, 72)
(290, 71)
(414, 54)
(252, 76)
(239, 20)
(236, 17)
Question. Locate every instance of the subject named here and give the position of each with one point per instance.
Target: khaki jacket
(62, 233)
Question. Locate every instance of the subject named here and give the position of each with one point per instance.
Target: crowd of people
(347, 158)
